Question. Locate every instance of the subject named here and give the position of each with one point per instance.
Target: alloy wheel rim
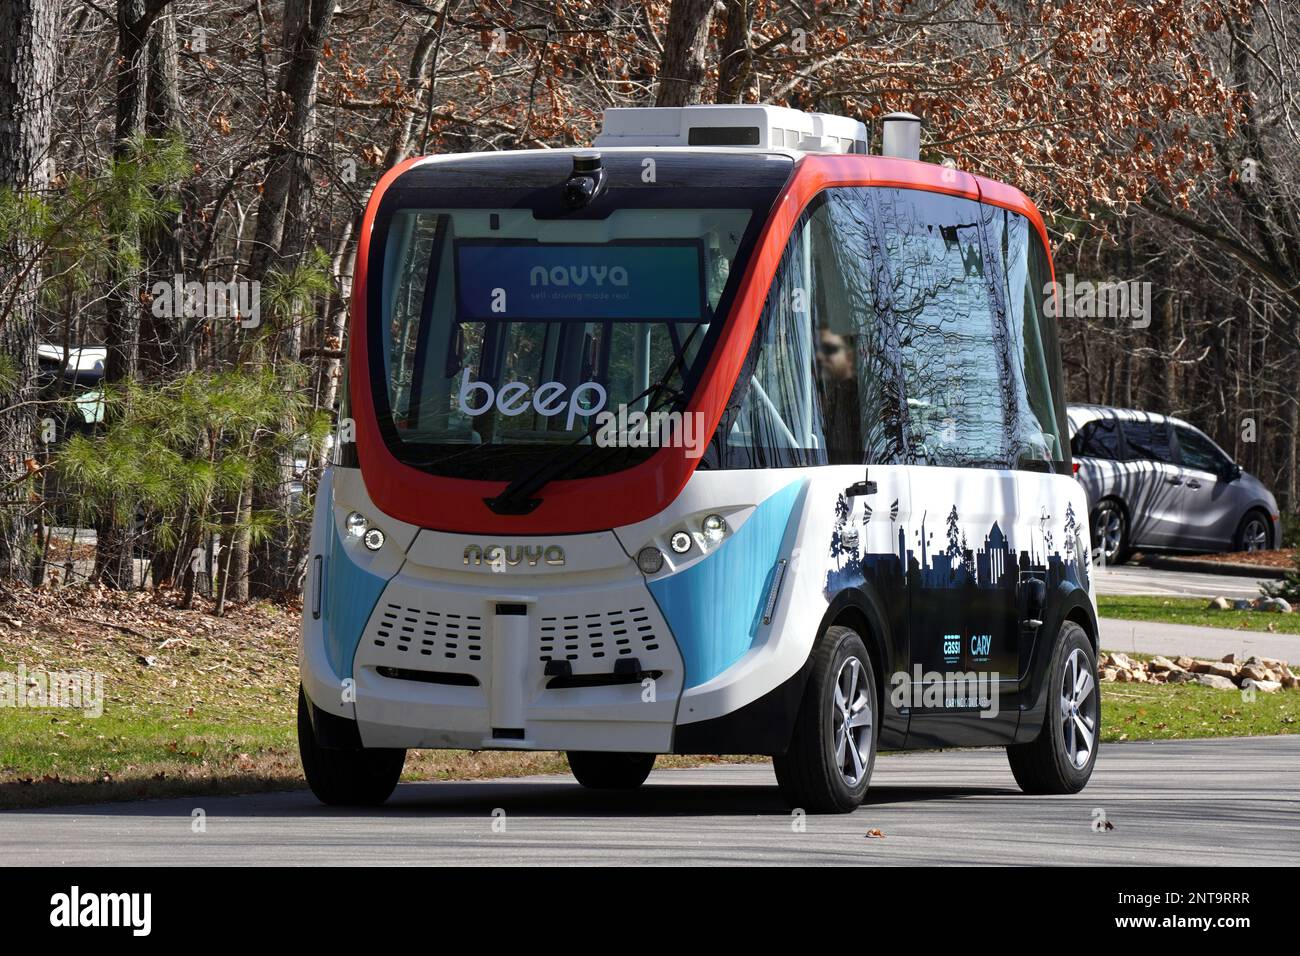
(851, 721)
(1256, 538)
(1110, 530)
(1078, 709)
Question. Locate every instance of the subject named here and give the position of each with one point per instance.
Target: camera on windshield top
(587, 181)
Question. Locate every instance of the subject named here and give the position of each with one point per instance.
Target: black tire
(361, 777)
(610, 771)
(1242, 540)
(1109, 514)
(1044, 765)
(809, 772)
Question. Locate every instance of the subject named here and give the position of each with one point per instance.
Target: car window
(1148, 440)
(1098, 439)
(1199, 452)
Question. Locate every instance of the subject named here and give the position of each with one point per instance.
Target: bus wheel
(828, 766)
(361, 777)
(1060, 759)
(608, 771)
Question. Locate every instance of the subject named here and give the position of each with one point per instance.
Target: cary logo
(512, 555)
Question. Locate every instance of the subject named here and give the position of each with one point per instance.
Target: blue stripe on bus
(715, 606)
(350, 595)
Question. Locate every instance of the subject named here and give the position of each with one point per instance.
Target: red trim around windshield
(637, 493)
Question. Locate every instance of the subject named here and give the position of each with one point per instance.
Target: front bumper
(427, 643)
(461, 664)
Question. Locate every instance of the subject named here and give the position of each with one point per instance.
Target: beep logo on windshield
(512, 399)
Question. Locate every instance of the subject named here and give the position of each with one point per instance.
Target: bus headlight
(680, 542)
(373, 539)
(650, 559)
(715, 526)
(356, 524)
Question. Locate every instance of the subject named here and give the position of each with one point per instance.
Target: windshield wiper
(517, 497)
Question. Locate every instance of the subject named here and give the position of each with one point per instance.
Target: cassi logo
(577, 275)
(513, 554)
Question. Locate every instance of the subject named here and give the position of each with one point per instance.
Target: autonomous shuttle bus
(719, 437)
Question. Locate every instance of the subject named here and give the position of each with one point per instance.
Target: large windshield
(504, 330)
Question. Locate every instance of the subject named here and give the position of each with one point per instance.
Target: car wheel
(1252, 534)
(610, 771)
(1110, 532)
(358, 777)
(828, 765)
(1060, 759)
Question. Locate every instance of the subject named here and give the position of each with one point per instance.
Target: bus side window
(1036, 413)
(955, 380)
(779, 419)
(820, 390)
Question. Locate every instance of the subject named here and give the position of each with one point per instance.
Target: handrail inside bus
(776, 415)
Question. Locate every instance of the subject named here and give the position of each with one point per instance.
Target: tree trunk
(163, 355)
(115, 542)
(684, 65)
(735, 59)
(28, 56)
(279, 241)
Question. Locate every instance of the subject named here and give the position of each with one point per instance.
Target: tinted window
(1148, 440)
(1099, 439)
(957, 378)
(814, 389)
(1199, 452)
(1037, 416)
(859, 393)
(779, 420)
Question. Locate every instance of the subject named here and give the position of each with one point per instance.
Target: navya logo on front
(499, 556)
(577, 275)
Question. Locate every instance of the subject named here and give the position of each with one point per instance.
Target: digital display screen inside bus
(619, 282)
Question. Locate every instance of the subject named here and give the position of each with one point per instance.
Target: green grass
(1179, 610)
(1185, 711)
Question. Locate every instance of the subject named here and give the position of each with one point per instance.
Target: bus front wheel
(358, 777)
(827, 767)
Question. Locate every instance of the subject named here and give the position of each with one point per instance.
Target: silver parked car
(1155, 483)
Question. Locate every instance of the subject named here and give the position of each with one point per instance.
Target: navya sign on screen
(633, 282)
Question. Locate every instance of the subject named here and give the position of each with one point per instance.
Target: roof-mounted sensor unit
(901, 136)
(763, 127)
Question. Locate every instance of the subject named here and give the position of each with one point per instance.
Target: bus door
(963, 558)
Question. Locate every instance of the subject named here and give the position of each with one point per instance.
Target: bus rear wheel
(1060, 759)
(610, 771)
(356, 777)
(828, 765)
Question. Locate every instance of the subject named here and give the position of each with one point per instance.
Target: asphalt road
(1208, 802)
(1135, 579)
